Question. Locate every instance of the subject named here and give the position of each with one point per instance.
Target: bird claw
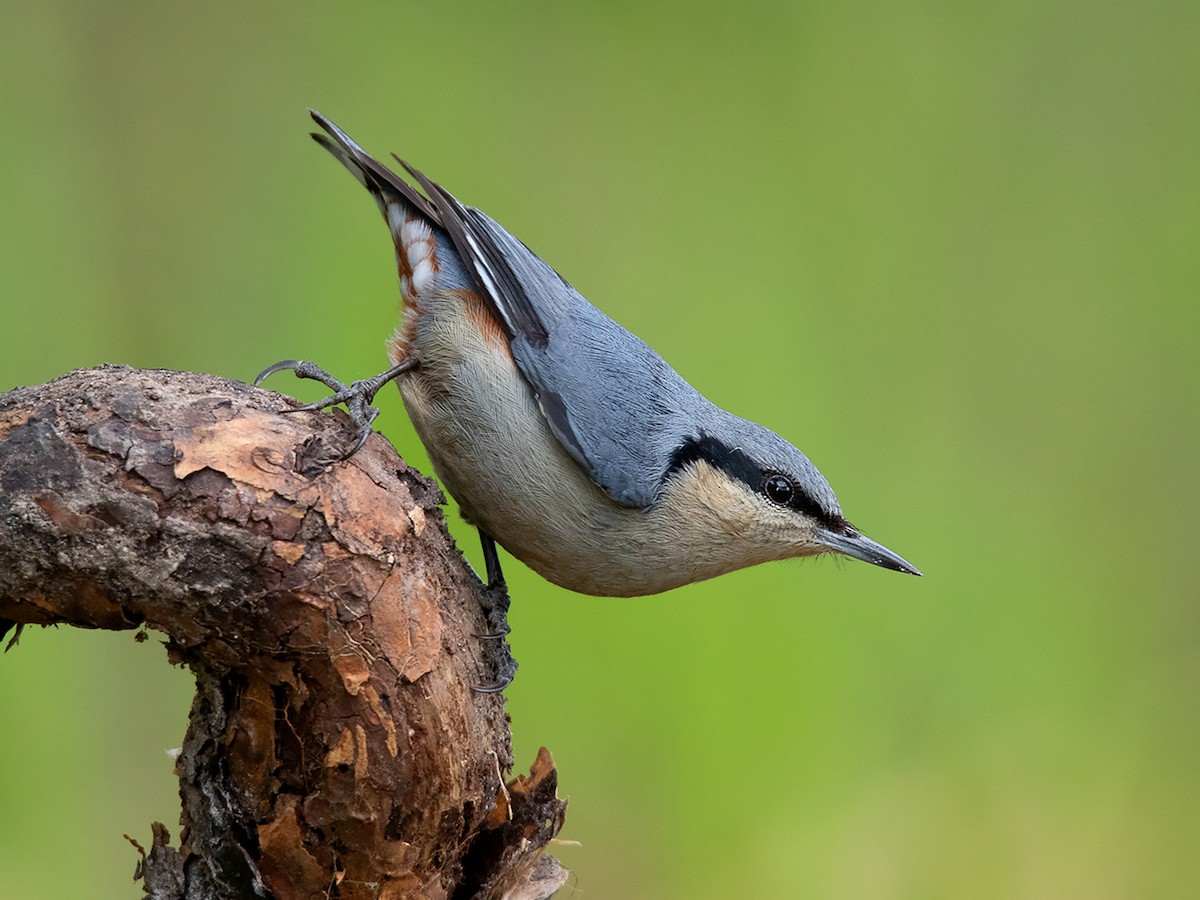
(357, 397)
(494, 688)
(504, 632)
(506, 669)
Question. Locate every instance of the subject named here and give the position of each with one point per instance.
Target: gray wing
(485, 262)
(612, 402)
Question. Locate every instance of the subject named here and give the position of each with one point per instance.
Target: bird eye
(779, 489)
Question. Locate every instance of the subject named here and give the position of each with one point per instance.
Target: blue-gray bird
(563, 437)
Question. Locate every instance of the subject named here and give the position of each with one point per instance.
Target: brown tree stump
(336, 747)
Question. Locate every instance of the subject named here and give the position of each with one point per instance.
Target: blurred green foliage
(950, 250)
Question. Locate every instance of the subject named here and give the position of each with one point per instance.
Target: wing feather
(590, 377)
(493, 275)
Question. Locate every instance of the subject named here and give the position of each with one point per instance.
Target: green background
(951, 250)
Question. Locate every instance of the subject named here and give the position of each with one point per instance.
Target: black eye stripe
(733, 462)
(739, 466)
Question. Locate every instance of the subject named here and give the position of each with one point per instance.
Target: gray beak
(862, 547)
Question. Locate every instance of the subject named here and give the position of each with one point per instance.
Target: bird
(564, 437)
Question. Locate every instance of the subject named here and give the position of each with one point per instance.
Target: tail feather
(436, 256)
(343, 157)
(411, 218)
(374, 175)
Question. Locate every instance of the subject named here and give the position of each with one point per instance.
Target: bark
(336, 747)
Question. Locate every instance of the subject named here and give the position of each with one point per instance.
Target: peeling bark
(335, 746)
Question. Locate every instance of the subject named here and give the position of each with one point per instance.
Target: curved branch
(335, 747)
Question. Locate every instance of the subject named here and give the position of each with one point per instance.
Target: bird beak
(851, 543)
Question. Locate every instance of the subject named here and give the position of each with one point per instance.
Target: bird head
(749, 483)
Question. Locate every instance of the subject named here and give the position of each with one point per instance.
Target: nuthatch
(562, 436)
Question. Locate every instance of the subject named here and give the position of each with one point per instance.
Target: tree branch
(335, 747)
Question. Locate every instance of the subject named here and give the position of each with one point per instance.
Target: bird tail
(433, 251)
(410, 216)
(381, 181)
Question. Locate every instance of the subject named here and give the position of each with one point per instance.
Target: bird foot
(357, 397)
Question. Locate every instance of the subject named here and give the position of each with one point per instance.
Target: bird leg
(357, 396)
(496, 591)
(496, 595)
